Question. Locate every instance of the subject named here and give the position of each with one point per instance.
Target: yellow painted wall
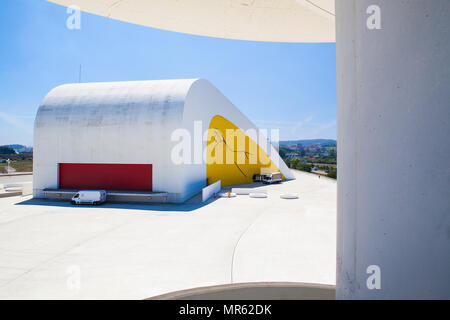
(233, 162)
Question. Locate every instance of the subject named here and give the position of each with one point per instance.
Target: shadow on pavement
(191, 204)
(166, 207)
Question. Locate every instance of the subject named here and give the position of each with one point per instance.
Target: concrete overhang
(257, 20)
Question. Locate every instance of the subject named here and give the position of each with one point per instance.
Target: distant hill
(7, 150)
(19, 148)
(322, 142)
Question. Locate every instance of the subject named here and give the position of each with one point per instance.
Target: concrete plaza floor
(53, 250)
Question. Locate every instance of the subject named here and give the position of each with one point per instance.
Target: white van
(269, 178)
(89, 197)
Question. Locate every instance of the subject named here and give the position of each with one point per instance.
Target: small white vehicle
(270, 178)
(93, 197)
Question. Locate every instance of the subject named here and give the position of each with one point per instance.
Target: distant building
(292, 155)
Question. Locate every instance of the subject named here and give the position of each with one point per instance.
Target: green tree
(332, 174)
(295, 163)
(304, 167)
(282, 153)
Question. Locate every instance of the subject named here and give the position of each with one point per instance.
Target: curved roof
(258, 20)
(105, 102)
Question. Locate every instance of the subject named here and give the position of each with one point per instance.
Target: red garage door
(130, 177)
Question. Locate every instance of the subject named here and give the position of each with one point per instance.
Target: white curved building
(145, 136)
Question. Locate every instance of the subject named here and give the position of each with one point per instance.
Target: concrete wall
(210, 191)
(393, 130)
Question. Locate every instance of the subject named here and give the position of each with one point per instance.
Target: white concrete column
(394, 155)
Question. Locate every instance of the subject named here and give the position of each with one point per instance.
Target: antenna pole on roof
(79, 75)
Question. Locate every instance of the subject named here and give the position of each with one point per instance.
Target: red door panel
(130, 177)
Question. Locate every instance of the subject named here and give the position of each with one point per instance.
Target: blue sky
(291, 87)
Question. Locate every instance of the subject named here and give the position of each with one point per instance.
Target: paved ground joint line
(240, 237)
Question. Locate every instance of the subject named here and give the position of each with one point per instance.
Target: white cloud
(321, 128)
(301, 124)
(309, 128)
(16, 129)
(15, 122)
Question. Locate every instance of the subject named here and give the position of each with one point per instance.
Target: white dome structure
(128, 136)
